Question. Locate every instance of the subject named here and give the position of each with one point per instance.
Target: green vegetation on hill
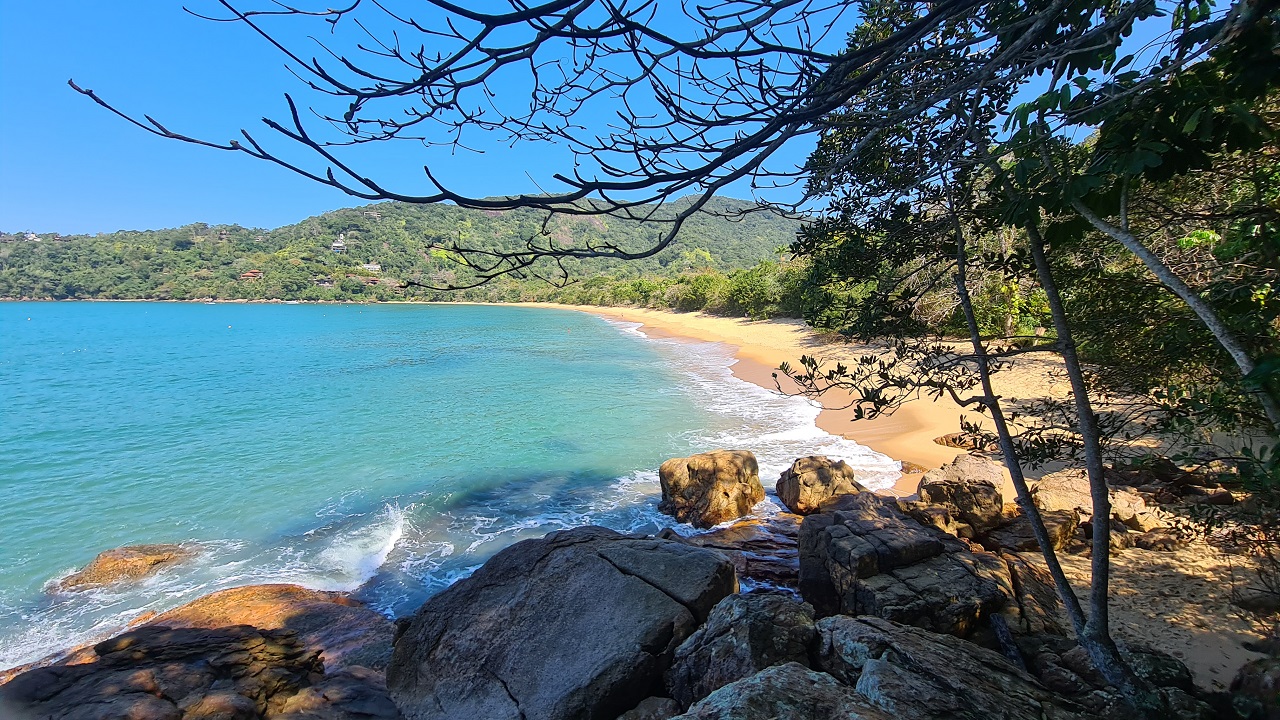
(721, 261)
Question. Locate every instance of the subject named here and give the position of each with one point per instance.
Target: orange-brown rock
(344, 631)
(812, 480)
(710, 488)
(133, 562)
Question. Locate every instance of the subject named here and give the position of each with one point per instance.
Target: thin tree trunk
(1068, 596)
(1169, 279)
(1096, 638)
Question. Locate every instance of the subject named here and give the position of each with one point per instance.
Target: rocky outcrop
(910, 673)
(785, 692)
(968, 487)
(810, 481)
(743, 635)
(342, 630)
(864, 557)
(579, 624)
(231, 673)
(762, 550)
(133, 562)
(710, 488)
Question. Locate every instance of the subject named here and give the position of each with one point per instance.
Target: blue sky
(69, 166)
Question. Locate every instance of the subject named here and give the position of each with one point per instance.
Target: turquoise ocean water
(386, 450)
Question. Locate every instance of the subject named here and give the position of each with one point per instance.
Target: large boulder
(710, 488)
(912, 673)
(969, 488)
(810, 481)
(785, 692)
(133, 562)
(342, 630)
(231, 673)
(763, 550)
(578, 624)
(856, 537)
(1069, 490)
(744, 635)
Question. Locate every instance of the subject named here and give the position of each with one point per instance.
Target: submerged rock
(132, 562)
(785, 692)
(710, 488)
(810, 481)
(743, 635)
(578, 624)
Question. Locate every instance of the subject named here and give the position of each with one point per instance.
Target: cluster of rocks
(859, 606)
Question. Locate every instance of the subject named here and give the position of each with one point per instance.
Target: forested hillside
(389, 251)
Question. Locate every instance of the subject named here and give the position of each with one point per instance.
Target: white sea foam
(778, 428)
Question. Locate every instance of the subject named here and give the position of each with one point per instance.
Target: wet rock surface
(765, 551)
(579, 624)
(130, 563)
(710, 488)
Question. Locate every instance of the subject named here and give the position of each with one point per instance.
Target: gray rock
(744, 635)
(856, 537)
(912, 673)
(950, 593)
(578, 624)
(862, 556)
(652, 708)
(1036, 608)
(710, 488)
(968, 487)
(785, 692)
(810, 481)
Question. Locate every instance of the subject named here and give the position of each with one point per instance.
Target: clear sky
(69, 166)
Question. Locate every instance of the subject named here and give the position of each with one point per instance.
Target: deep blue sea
(383, 449)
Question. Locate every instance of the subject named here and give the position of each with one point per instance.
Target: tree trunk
(1068, 596)
(1096, 635)
(1169, 279)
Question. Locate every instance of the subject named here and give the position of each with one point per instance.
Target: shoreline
(759, 346)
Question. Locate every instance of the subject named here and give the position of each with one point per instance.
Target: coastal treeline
(724, 260)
